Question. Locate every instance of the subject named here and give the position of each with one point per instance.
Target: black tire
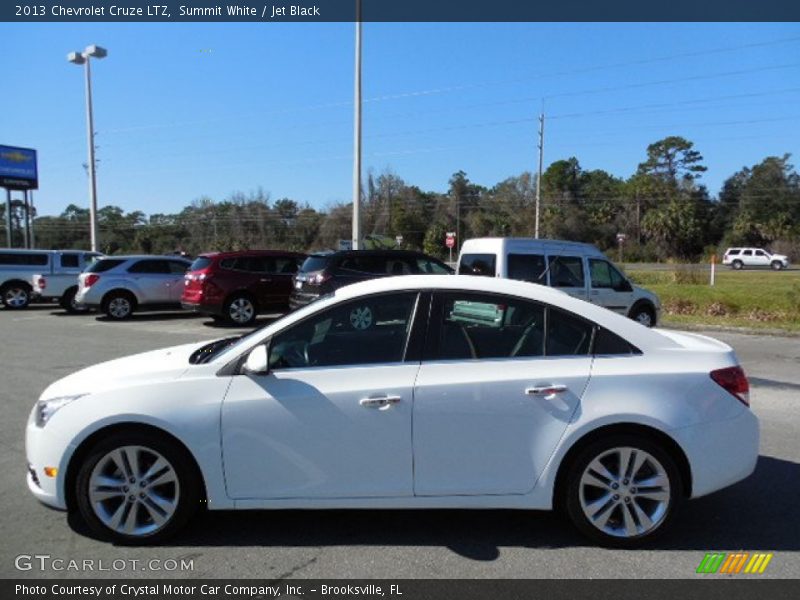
(189, 486)
(574, 491)
(738, 265)
(67, 302)
(16, 296)
(643, 314)
(119, 305)
(776, 265)
(241, 310)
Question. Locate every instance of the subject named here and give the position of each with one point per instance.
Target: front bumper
(720, 453)
(43, 450)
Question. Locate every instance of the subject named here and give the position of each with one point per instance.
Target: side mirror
(257, 362)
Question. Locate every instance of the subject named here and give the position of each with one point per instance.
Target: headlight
(47, 408)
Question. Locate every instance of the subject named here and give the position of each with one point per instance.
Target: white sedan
(405, 392)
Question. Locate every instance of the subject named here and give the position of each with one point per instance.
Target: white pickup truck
(59, 288)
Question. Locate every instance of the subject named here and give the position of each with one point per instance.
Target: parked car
(18, 266)
(236, 286)
(580, 270)
(549, 402)
(739, 258)
(324, 272)
(122, 285)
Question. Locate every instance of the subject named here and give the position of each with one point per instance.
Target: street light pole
(357, 136)
(84, 58)
(92, 171)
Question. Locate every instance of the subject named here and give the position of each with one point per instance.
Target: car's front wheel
(623, 490)
(777, 265)
(137, 488)
(644, 315)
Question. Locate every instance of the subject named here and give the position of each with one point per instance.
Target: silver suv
(120, 285)
(739, 258)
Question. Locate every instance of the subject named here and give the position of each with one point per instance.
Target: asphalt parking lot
(42, 344)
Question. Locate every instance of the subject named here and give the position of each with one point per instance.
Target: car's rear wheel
(623, 490)
(738, 265)
(119, 305)
(16, 296)
(137, 488)
(240, 310)
(776, 265)
(67, 301)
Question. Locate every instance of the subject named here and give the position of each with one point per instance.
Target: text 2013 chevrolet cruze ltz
(403, 392)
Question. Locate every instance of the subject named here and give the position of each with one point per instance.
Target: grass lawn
(756, 299)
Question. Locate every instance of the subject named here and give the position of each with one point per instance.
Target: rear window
(606, 343)
(477, 264)
(200, 263)
(315, 263)
(12, 258)
(104, 264)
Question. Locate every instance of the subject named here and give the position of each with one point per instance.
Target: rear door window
(12, 258)
(566, 271)
(70, 261)
(567, 335)
(477, 264)
(527, 267)
(151, 267)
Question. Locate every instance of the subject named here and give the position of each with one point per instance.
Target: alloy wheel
(134, 490)
(119, 307)
(625, 492)
(16, 297)
(241, 310)
(643, 317)
(361, 317)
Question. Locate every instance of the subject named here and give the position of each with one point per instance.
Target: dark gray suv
(325, 272)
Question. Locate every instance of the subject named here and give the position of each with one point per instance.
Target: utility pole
(539, 175)
(357, 136)
(9, 243)
(33, 216)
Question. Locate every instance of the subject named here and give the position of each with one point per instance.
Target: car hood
(148, 367)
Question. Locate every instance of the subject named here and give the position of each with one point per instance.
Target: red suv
(236, 286)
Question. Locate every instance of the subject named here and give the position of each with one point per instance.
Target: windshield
(200, 263)
(104, 264)
(314, 263)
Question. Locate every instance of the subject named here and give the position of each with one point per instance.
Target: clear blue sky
(187, 110)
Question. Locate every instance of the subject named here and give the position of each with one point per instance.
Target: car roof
(519, 243)
(235, 253)
(372, 252)
(146, 256)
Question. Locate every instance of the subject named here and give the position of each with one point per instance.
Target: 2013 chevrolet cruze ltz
(405, 392)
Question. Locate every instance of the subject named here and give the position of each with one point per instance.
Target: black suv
(323, 273)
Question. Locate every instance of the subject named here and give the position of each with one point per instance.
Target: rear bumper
(206, 309)
(720, 453)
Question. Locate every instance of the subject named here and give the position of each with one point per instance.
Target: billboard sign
(18, 168)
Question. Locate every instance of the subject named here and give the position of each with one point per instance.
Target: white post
(713, 267)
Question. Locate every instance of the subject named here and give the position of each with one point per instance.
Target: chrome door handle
(546, 390)
(381, 402)
(265, 280)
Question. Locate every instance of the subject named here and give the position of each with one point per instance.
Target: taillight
(734, 381)
(90, 280)
(318, 278)
(42, 283)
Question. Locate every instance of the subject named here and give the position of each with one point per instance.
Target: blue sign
(18, 168)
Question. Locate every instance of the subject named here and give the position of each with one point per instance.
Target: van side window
(13, 258)
(527, 267)
(566, 271)
(477, 264)
(604, 275)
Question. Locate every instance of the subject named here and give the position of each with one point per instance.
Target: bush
(688, 274)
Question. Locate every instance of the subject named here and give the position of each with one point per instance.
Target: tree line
(663, 210)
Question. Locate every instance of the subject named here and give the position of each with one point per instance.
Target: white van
(580, 270)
